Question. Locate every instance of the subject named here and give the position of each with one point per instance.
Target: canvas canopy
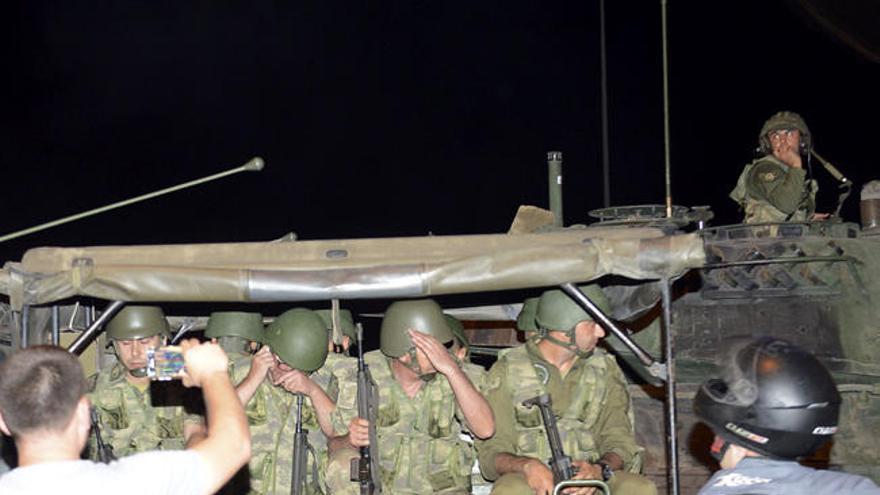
(346, 269)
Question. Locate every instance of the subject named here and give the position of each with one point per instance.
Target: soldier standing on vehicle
(775, 186)
(44, 408)
(774, 404)
(295, 348)
(589, 396)
(135, 414)
(425, 398)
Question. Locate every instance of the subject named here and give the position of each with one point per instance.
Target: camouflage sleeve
(614, 428)
(784, 189)
(497, 392)
(477, 375)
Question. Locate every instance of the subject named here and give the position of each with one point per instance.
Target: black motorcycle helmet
(773, 398)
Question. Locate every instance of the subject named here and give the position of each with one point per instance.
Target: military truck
(678, 289)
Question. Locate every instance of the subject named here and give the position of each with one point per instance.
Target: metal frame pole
(94, 328)
(56, 325)
(25, 323)
(671, 408)
(654, 368)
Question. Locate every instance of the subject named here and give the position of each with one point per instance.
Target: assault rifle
(105, 452)
(560, 464)
(365, 468)
(300, 452)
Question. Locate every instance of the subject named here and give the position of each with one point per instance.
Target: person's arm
(477, 413)
(227, 444)
(296, 381)
(261, 362)
(782, 187)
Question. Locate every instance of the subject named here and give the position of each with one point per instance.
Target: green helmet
(423, 315)
(525, 321)
(457, 329)
(556, 311)
(138, 322)
(346, 322)
(298, 337)
(248, 326)
(781, 121)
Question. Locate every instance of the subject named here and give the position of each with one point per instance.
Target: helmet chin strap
(544, 334)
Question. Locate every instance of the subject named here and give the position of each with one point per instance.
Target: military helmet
(235, 324)
(773, 397)
(457, 329)
(781, 121)
(298, 337)
(138, 322)
(525, 321)
(346, 322)
(556, 311)
(422, 315)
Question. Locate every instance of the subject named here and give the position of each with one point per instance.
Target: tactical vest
(419, 436)
(132, 421)
(271, 415)
(576, 423)
(758, 210)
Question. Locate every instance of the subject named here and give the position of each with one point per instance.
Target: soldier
(425, 399)
(295, 347)
(589, 395)
(239, 335)
(338, 361)
(774, 404)
(135, 414)
(774, 187)
(347, 331)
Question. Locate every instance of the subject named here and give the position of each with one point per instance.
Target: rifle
(560, 464)
(300, 452)
(105, 452)
(365, 468)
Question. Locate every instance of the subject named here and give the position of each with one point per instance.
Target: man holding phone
(44, 407)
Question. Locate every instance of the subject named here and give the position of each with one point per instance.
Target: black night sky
(398, 118)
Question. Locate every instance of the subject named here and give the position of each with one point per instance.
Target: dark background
(398, 118)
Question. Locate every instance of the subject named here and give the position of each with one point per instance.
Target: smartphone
(165, 363)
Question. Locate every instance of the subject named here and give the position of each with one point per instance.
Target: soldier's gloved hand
(440, 358)
(585, 471)
(539, 477)
(294, 381)
(261, 363)
(359, 432)
(201, 361)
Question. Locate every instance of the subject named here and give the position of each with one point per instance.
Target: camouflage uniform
(770, 191)
(420, 449)
(134, 420)
(594, 409)
(271, 414)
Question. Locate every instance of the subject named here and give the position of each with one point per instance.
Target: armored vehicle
(678, 289)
